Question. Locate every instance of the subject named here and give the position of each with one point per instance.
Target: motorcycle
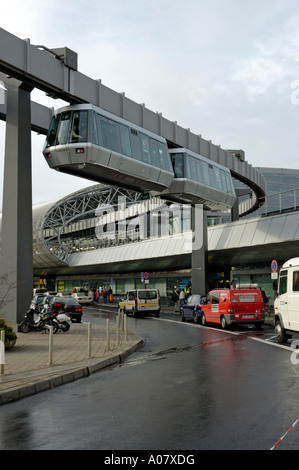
(62, 320)
(44, 321)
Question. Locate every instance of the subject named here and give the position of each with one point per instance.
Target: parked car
(82, 298)
(36, 302)
(191, 310)
(69, 305)
(44, 304)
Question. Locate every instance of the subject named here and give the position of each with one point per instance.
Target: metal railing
(285, 201)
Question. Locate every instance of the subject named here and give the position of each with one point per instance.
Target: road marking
(282, 346)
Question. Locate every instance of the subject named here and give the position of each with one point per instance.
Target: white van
(142, 301)
(286, 304)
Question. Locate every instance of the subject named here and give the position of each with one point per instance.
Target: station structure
(142, 215)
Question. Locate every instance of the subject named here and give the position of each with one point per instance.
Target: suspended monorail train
(89, 142)
(199, 180)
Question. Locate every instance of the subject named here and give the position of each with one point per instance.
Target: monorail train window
(95, 133)
(154, 152)
(63, 130)
(109, 135)
(229, 182)
(125, 140)
(79, 127)
(145, 148)
(163, 157)
(192, 168)
(224, 181)
(218, 178)
(51, 137)
(205, 173)
(178, 165)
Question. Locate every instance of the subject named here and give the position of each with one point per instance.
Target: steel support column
(16, 267)
(199, 256)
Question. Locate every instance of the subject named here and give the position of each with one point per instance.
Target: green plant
(9, 333)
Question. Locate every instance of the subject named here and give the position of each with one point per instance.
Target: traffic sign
(274, 266)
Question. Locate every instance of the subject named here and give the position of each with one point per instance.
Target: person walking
(182, 298)
(176, 298)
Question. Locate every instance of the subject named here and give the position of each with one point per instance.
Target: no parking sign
(274, 267)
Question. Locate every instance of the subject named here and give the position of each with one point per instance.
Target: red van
(230, 306)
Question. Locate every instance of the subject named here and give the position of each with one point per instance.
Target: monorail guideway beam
(16, 264)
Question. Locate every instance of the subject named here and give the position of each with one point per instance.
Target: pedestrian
(110, 296)
(91, 295)
(182, 298)
(176, 298)
(105, 295)
(96, 295)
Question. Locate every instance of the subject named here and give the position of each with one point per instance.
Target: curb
(37, 385)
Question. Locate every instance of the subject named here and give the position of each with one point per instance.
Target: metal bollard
(50, 345)
(108, 333)
(89, 341)
(117, 328)
(126, 328)
(2, 352)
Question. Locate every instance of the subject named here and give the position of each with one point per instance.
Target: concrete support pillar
(16, 261)
(199, 257)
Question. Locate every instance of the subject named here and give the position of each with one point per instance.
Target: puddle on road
(142, 356)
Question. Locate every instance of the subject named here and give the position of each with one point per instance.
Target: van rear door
(246, 303)
(148, 300)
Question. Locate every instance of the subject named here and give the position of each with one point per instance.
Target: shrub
(9, 333)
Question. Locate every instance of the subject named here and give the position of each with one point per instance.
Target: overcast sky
(226, 69)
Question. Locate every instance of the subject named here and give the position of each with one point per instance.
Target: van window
(131, 295)
(215, 298)
(147, 295)
(282, 288)
(296, 281)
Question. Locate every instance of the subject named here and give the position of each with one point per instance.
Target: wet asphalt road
(188, 388)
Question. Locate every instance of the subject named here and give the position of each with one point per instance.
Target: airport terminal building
(106, 236)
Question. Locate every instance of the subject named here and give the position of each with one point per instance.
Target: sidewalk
(27, 370)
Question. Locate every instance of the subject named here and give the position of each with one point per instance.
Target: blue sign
(274, 266)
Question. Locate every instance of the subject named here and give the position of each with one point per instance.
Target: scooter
(45, 320)
(62, 320)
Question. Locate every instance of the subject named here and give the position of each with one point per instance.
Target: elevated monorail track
(54, 71)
